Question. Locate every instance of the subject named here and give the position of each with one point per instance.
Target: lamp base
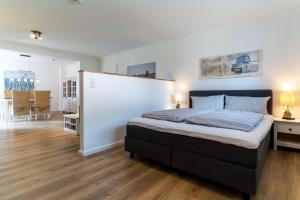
(292, 118)
(177, 106)
(287, 115)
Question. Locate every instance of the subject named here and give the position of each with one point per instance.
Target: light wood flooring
(55, 121)
(43, 163)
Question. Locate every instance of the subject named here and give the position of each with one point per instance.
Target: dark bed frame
(226, 164)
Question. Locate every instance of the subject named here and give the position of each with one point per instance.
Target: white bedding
(249, 140)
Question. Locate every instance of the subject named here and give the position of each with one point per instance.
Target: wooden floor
(44, 164)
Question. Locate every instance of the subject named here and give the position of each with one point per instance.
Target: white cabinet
(74, 89)
(71, 123)
(70, 96)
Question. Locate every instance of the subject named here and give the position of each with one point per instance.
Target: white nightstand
(287, 128)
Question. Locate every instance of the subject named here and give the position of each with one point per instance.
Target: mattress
(248, 140)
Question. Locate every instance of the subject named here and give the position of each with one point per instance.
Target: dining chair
(41, 104)
(20, 103)
(31, 94)
(7, 94)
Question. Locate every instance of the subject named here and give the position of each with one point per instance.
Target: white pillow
(250, 104)
(208, 103)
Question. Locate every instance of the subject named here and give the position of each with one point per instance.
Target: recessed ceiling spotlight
(37, 35)
(77, 1)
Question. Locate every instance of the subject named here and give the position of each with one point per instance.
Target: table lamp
(178, 99)
(287, 99)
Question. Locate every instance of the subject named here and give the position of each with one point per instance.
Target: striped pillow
(250, 104)
(215, 102)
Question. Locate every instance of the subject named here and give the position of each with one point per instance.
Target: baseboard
(99, 149)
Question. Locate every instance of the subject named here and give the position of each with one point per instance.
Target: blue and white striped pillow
(250, 104)
(215, 102)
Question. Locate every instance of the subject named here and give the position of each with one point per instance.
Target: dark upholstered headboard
(249, 93)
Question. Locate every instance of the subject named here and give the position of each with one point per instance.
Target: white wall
(106, 107)
(71, 70)
(86, 62)
(277, 36)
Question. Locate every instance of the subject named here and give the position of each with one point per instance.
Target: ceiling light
(12, 79)
(77, 1)
(25, 55)
(19, 80)
(25, 79)
(31, 80)
(37, 35)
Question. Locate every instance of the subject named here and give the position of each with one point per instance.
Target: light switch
(92, 82)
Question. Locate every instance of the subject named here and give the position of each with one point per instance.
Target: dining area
(25, 105)
(37, 90)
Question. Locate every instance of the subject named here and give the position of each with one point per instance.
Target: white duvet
(249, 140)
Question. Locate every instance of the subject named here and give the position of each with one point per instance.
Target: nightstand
(286, 133)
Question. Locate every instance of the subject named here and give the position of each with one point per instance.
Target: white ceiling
(102, 27)
(6, 55)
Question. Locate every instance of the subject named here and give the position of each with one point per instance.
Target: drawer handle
(290, 129)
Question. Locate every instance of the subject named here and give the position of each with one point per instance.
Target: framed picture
(147, 70)
(232, 65)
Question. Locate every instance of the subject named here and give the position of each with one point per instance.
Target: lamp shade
(287, 99)
(178, 97)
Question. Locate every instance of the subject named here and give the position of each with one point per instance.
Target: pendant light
(27, 68)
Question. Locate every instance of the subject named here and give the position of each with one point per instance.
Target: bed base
(131, 155)
(245, 195)
(242, 178)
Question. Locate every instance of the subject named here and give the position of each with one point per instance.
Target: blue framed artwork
(147, 70)
(19, 80)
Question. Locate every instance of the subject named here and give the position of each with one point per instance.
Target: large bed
(225, 159)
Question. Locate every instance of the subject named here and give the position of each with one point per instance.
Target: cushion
(250, 104)
(208, 103)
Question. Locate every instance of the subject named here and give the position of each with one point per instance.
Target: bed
(216, 160)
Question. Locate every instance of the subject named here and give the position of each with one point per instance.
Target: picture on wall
(19, 80)
(232, 65)
(147, 70)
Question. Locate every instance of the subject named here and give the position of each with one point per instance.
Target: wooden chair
(20, 103)
(32, 94)
(7, 94)
(41, 104)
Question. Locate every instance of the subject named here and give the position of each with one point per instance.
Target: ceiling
(102, 27)
(9, 55)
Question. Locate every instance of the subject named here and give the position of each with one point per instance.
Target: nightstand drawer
(289, 128)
